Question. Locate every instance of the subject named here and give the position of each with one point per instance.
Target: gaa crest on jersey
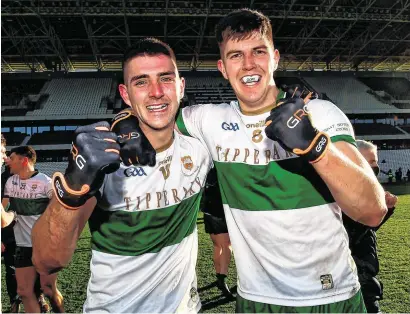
(34, 187)
(327, 282)
(187, 162)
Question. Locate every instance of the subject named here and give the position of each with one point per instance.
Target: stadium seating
(393, 159)
(14, 138)
(51, 138)
(79, 96)
(49, 168)
(398, 87)
(375, 129)
(347, 93)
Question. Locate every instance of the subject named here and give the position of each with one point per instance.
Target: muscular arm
(56, 233)
(352, 184)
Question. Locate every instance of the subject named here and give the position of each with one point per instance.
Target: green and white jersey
(29, 199)
(144, 234)
(286, 230)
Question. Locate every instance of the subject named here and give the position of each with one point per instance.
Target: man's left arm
(321, 133)
(352, 183)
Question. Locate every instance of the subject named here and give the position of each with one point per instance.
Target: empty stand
(79, 96)
(51, 138)
(397, 87)
(14, 138)
(375, 129)
(49, 168)
(347, 93)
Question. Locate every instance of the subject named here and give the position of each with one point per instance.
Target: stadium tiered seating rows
(398, 87)
(79, 96)
(346, 92)
(375, 129)
(393, 159)
(49, 168)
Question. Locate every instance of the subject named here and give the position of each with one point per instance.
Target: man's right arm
(56, 233)
(94, 153)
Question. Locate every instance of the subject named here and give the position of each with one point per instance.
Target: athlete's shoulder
(42, 176)
(191, 144)
(209, 108)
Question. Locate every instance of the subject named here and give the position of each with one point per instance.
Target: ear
(25, 161)
(221, 68)
(124, 94)
(276, 58)
(182, 87)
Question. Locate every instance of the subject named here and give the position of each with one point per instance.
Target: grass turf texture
(393, 248)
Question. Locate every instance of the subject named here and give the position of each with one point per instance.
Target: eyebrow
(137, 77)
(255, 48)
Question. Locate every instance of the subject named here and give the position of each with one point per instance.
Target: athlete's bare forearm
(352, 184)
(55, 235)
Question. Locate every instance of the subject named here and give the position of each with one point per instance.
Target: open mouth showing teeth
(157, 107)
(251, 79)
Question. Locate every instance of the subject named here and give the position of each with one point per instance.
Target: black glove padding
(135, 147)
(289, 124)
(94, 153)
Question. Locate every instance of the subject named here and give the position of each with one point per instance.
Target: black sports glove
(289, 124)
(135, 147)
(94, 153)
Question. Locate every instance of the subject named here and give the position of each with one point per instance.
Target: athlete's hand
(135, 147)
(391, 199)
(94, 153)
(289, 124)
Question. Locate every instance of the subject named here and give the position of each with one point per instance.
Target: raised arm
(347, 175)
(94, 154)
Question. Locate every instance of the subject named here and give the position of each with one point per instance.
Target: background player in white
(283, 186)
(28, 192)
(143, 219)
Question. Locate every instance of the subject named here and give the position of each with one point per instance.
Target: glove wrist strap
(66, 196)
(319, 147)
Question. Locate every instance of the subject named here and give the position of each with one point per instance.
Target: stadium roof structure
(87, 35)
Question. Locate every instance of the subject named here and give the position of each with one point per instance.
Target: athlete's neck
(265, 105)
(159, 139)
(27, 172)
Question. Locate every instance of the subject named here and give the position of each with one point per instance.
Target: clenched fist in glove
(94, 153)
(289, 124)
(135, 147)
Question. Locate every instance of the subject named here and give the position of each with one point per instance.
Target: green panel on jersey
(344, 138)
(28, 206)
(181, 124)
(285, 184)
(148, 231)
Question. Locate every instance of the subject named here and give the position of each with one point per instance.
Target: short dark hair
(26, 151)
(148, 46)
(240, 24)
(3, 140)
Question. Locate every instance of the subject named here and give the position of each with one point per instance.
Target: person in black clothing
(408, 175)
(215, 225)
(363, 240)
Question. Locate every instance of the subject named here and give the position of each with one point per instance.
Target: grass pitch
(393, 248)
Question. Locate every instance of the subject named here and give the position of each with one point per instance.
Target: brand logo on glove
(319, 146)
(230, 126)
(80, 161)
(297, 117)
(134, 172)
(131, 135)
(59, 189)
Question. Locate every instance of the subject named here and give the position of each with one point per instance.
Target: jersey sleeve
(328, 118)
(7, 188)
(190, 120)
(48, 187)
